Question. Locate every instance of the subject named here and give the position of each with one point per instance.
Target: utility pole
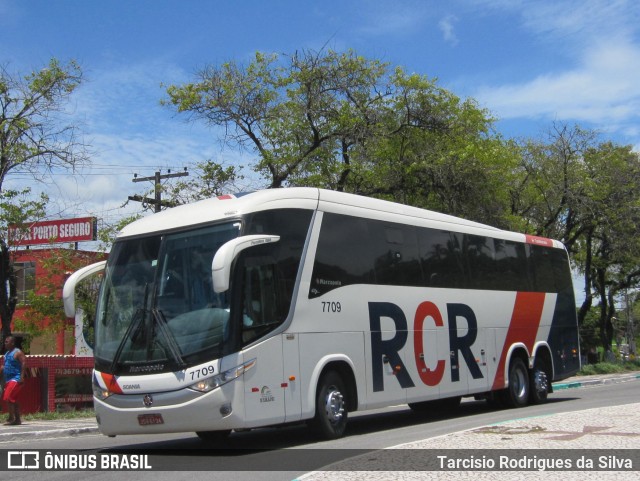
(157, 202)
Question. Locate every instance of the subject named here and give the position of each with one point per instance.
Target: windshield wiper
(174, 349)
(137, 317)
(135, 321)
(137, 328)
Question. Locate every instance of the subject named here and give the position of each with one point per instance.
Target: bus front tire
(517, 393)
(330, 420)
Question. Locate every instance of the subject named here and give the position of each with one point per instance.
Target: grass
(84, 413)
(609, 368)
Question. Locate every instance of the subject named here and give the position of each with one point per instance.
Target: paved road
(598, 430)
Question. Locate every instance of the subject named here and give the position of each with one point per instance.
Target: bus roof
(234, 206)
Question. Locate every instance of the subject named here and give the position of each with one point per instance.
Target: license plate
(150, 419)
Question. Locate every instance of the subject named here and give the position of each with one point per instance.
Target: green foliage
(33, 139)
(584, 192)
(18, 207)
(609, 368)
(54, 416)
(44, 311)
(32, 136)
(589, 331)
(300, 116)
(345, 122)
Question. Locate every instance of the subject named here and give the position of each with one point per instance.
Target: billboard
(53, 231)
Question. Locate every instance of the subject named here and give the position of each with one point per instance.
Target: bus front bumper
(185, 410)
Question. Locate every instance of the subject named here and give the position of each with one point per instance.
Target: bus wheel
(517, 393)
(330, 420)
(214, 438)
(539, 386)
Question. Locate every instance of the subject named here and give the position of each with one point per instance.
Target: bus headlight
(218, 380)
(99, 392)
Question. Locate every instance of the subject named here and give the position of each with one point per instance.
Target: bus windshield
(158, 311)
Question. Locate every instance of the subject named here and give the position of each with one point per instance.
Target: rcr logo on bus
(388, 350)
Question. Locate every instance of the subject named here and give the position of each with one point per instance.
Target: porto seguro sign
(53, 231)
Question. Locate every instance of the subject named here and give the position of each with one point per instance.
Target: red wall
(38, 256)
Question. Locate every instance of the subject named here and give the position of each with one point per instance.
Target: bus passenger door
(261, 311)
(291, 377)
(264, 396)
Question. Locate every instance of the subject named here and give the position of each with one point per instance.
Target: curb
(49, 433)
(55, 433)
(595, 382)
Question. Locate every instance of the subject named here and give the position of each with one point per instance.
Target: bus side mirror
(69, 289)
(221, 265)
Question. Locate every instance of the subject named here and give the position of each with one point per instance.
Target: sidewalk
(608, 438)
(83, 426)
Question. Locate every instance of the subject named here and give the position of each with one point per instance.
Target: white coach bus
(301, 304)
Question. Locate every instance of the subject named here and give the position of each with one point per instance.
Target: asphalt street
(607, 437)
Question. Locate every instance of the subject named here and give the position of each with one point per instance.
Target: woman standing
(13, 370)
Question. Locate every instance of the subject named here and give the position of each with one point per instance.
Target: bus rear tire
(517, 393)
(214, 438)
(539, 386)
(330, 420)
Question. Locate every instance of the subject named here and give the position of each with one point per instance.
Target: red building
(56, 378)
(43, 272)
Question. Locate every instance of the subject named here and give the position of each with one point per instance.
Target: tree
(344, 122)
(16, 208)
(585, 193)
(296, 117)
(44, 311)
(439, 152)
(610, 245)
(34, 139)
(553, 183)
(32, 134)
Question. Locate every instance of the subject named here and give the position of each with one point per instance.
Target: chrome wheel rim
(334, 405)
(519, 384)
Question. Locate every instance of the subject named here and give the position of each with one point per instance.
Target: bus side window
(480, 268)
(511, 265)
(262, 307)
(540, 261)
(441, 258)
(343, 256)
(395, 254)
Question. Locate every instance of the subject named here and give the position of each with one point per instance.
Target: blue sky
(530, 63)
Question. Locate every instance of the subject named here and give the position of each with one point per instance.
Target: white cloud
(597, 84)
(447, 27)
(602, 88)
(399, 18)
(580, 18)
